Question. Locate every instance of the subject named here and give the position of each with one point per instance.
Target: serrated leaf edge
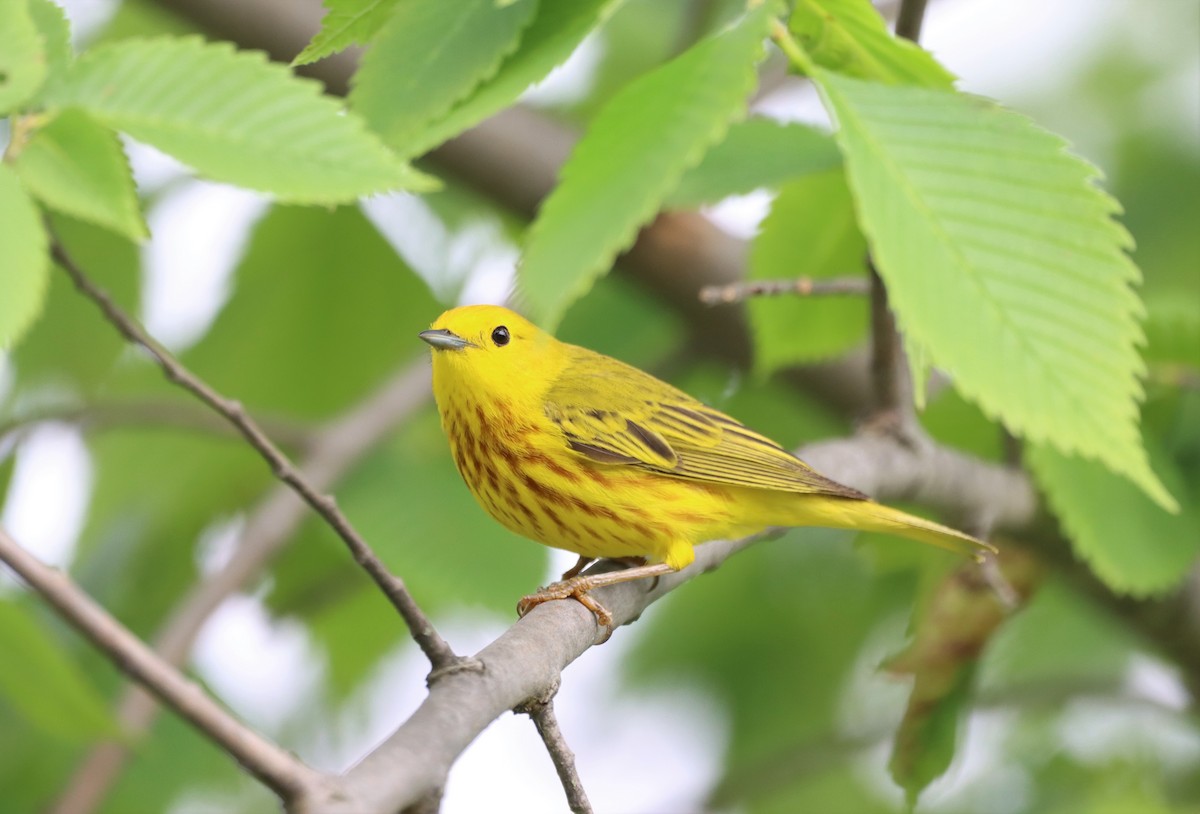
(644, 213)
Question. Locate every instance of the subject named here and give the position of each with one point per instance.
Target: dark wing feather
(615, 414)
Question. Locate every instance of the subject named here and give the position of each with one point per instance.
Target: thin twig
(429, 640)
(909, 19)
(541, 711)
(336, 447)
(277, 768)
(892, 383)
(800, 286)
(889, 367)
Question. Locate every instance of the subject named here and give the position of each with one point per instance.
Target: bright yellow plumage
(582, 452)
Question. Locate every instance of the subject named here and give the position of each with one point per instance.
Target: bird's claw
(575, 588)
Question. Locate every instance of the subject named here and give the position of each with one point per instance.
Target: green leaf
(925, 742)
(631, 157)
(650, 334)
(348, 22)
(235, 117)
(78, 167)
(33, 763)
(851, 38)
(805, 586)
(72, 345)
(1132, 544)
(427, 57)
(556, 30)
(955, 620)
(1060, 639)
(1173, 329)
(45, 686)
(155, 490)
(1003, 264)
(347, 331)
(24, 264)
(139, 19)
(175, 767)
(7, 464)
(758, 152)
(22, 55)
(810, 232)
(51, 22)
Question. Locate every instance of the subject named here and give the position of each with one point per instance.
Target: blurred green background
(754, 689)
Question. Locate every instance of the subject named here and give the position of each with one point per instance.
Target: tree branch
(889, 367)
(279, 770)
(541, 712)
(527, 660)
(909, 19)
(433, 645)
(334, 450)
(800, 286)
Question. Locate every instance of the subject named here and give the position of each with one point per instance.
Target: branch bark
(889, 365)
(541, 712)
(278, 769)
(800, 287)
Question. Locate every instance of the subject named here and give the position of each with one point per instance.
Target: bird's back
(616, 414)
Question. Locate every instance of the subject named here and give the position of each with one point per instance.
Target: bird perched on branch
(576, 450)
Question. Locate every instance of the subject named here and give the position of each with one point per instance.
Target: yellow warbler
(579, 451)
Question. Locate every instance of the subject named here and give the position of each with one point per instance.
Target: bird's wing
(618, 415)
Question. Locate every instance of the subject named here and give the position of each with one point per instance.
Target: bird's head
(493, 348)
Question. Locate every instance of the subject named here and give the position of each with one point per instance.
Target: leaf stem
(792, 49)
(22, 129)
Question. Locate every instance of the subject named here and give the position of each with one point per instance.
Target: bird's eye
(500, 336)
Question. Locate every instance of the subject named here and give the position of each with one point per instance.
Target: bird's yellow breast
(522, 472)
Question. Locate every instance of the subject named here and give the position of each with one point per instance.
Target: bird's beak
(444, 340)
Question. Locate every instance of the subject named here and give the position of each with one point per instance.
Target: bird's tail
(867, 515)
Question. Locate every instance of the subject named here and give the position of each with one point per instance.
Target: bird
(582, 452)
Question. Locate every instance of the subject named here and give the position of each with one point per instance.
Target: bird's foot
(576, 588)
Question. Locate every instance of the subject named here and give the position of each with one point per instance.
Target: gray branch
(541, 712)
(527, 660)
(276, 768)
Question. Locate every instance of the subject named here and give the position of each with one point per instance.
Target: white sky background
(636, 753)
